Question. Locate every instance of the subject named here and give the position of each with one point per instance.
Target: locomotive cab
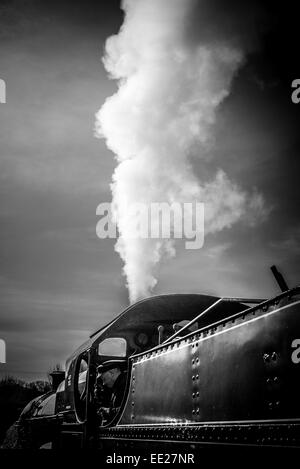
(193, 367)
(141, 327)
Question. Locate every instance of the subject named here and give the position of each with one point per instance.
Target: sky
(58, 280)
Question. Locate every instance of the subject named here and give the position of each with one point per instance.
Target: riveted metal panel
(237, 371)
(155, 394)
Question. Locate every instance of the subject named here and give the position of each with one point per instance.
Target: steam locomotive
(201, 370)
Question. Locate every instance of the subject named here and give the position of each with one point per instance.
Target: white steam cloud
(174, 68)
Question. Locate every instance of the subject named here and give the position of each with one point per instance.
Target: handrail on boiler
(220, 300)
(193, 320)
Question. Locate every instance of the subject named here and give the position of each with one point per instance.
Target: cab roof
(162, 310)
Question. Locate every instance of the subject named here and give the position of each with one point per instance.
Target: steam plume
(174, 61)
